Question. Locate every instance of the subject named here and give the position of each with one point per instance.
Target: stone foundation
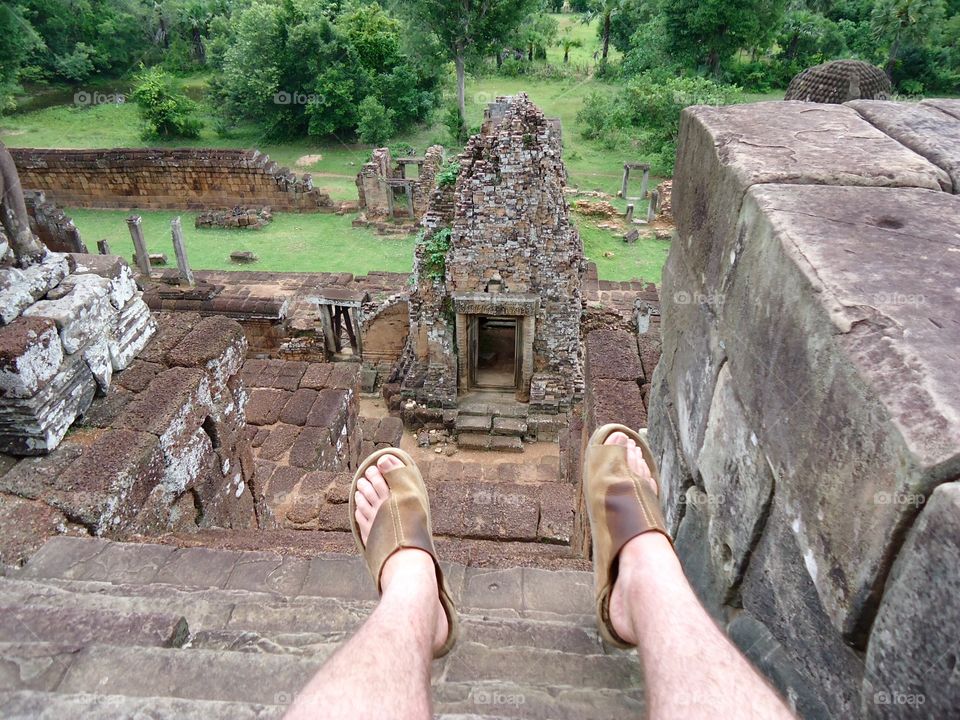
(805, 413)
(175, 179)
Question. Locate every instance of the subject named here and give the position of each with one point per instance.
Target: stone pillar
(180, 251)
(629, 217)
(626, 179)
(139, 244)
(645, 182)
(389, 200)
(326, 321)
(104, 248)
(653, 207)
(409, 191)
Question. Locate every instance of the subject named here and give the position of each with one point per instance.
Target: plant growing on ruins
(165, 112)
(448, 174)
(435, 250)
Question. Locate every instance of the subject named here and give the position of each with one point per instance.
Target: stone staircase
(96, 628)
(502, 425)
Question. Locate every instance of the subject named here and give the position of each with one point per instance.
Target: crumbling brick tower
(511, 256)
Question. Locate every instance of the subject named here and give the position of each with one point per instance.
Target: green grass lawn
(327, 243)
(292, 242)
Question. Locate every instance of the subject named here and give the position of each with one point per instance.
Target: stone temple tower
(499, 270)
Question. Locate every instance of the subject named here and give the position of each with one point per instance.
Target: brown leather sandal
(403, 521)
(621, 506)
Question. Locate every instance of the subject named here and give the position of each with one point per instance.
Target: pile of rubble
(239, 217)
(67, 324)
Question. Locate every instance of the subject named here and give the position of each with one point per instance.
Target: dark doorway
(495, 352)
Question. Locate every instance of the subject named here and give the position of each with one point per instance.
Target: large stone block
(30, 356)
(778, 591)
(133, 327)
(664, 438)
(738, 484)
(615, 401)
(924, 129)
(217, 344)
(612, 355)
(82, 314)
(912, 655)
(843, 363)
(36, 425)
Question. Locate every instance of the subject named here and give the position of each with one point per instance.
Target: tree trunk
(606, 37)
(27, 249)
(892, 57)
(499, 58)
(458, 61)
(566, 55)
(530, 53)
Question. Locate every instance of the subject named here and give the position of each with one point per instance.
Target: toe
(617, 438)
(375, 478)
(364, 508)
(365, 488)
(389, 462)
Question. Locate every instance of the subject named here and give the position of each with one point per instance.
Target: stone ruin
(497, 302)
(52, 225)
(386, 193)
(245, 218)
(840, 81)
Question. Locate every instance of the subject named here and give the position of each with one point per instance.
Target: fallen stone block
(19, 289)
(133, 328)
(123, 284)
(30, 356)
(82, 315)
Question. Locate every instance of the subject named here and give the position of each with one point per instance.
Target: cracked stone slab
(82, 315)
(30, 356)
(924, 129)
(950, 107)
(841, 303)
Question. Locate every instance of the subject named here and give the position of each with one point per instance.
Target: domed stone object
(839, 81)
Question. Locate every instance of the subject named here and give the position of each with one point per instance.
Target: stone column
(645, 182)
(626, 179)
(139, 245)
(104, 248)
(181, 252)
(629, 217)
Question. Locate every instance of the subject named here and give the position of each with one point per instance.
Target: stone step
(31, 705)
(473, 441)
(473, 423)
(502, 443)
(516, 427)
(263, 679)
(64, 622)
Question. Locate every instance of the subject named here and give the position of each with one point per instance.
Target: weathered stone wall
(162, 450)
(374, 192)
(179, 179)
(806, 411)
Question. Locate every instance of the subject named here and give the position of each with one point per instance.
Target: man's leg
(692, 670)
(384, 670)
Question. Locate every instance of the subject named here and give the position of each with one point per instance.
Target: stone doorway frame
(473, 334)
(329, 300)
(522, 306)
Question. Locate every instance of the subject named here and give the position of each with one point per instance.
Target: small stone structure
(512, 269)
(839, 81)
(162, 450)
(380, 179)
(805, 413)
(238, 217)
(176, 179)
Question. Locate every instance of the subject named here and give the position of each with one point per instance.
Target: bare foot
(637, 547)
(408, 569)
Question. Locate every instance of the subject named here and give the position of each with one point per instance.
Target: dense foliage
(165, 111)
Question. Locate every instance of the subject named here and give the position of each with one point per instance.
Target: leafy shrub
(375, 124)
(435, 253)
(453, 121)
(648, 109)
(448, 174)
(165, 111)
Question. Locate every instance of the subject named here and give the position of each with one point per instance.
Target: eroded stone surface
(923, 128)
(30, 356)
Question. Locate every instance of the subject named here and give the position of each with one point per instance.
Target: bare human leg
(692, 669)
(383, 670)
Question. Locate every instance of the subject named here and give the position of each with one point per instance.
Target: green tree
(468, 27)
(896, 23)
(707, 32)
(568, 42)
(605, 11)
(375, 125)
(17, 40)
(164, 110)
